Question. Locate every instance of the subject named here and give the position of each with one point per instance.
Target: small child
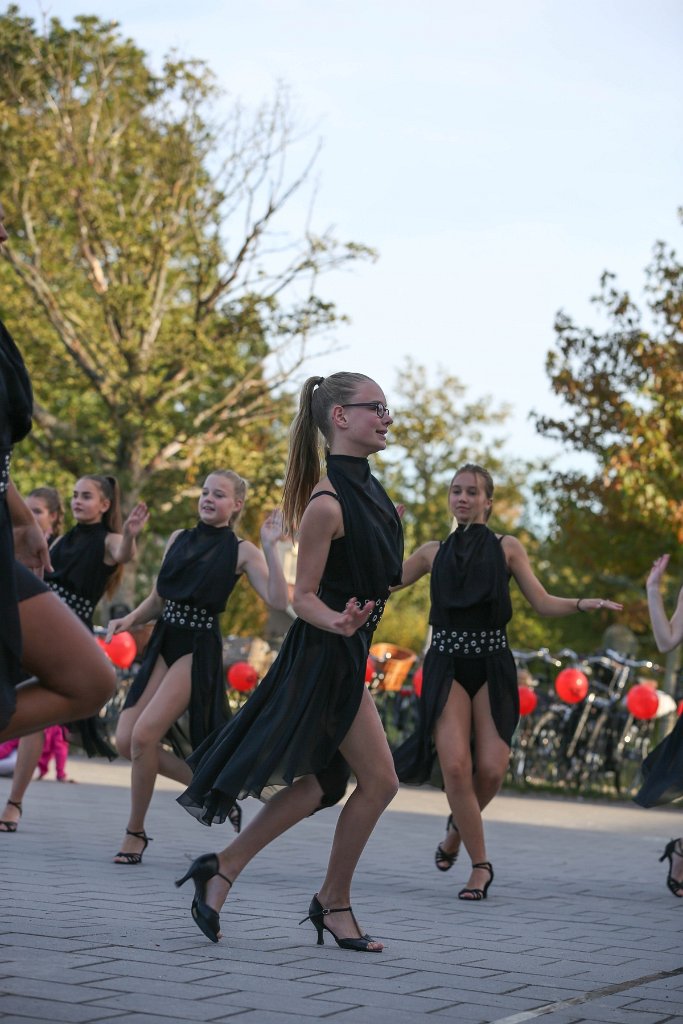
(56, 746)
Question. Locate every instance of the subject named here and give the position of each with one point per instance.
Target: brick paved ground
(578, 925)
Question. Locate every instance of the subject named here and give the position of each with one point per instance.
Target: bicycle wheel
(540, 762)
(635, 747)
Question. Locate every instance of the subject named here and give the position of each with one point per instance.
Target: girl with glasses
(311, 719)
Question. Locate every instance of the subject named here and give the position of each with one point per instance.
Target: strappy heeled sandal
(317, 914)
(11, 826)
(134, 858)
(445, 861)
(202, 870)
(674, 847)
(235, 817)
(472, 895)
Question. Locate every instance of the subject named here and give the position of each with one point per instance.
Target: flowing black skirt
(662, 771)
(292, 725)
(416, 760)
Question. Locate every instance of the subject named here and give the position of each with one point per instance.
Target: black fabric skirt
(28, 584)
(662, 771)
(209, 710)
(416, 760)
(292, 725)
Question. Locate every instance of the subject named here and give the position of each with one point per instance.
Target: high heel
(134, 858)
(201, 871)
(11, 826)
(673, 885)
(440, 855)
(472, 895)
(317, 914)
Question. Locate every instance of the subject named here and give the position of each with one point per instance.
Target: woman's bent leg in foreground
(367, 753)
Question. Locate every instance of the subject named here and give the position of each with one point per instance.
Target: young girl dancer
(183, 664)
(86, 562)
(47, 508)
(311, 718)
(469, 688)
(68, 674)
(663, 767)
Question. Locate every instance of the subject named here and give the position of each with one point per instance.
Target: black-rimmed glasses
(379, 407)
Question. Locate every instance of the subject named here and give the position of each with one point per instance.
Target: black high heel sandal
(201, 871)
(472, 895)
(134, 858)
(317, 914)
(11, 826)
(672, 884)
(440, 855)
(235, 817)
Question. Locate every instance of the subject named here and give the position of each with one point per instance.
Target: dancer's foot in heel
(448, 850)
(344, 927)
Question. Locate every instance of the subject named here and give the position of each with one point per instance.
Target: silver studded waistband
(187, 616)
(5, 459)
(83, 608)
(470, 642)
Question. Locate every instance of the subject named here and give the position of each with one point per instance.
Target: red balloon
(369, 670)
(571, 685)
(417, 681)
(120, 650)
(527, 700)
(242, 676)
(642, 701)
(680, 707)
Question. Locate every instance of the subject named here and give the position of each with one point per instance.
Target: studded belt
(187, 616)
(470, 642)
(377, 612)
(83, 608)
(5, 459)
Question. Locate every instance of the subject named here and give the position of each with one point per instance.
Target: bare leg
(28, 754)
(367, 752)
(74, 677)
(170, 699)
(468, 793)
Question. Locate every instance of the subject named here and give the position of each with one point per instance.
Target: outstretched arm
(264, 568)
(668, 633)
(149, 609)
(536, 594)
(418, 564)
(121, 547)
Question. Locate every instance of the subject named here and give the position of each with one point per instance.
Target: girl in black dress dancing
(469, 688)
(69, 675)
(311, 718)
(86, 563)
(183, 666)
(47, 508)
(663, 767)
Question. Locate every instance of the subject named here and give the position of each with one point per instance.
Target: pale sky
(499, 155)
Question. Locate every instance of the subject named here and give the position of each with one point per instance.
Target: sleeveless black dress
(469, 612)
(16, 406)
(196, 579)
(662, 771)
(294, 722)
(80, 578)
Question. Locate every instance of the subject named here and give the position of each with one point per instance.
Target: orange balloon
(571, 685)
(527, 700)
(642, 701)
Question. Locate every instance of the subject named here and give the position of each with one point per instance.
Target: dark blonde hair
(53, 503)
(489, 486)
(239, 486)
(304, 465)
(109, 489)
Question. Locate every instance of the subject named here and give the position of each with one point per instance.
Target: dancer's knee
(456, 771)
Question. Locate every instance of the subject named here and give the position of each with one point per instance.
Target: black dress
(295, 720)
(80, 578)
(196, 579)
(16, 405)
(662, 771)
(470, 608)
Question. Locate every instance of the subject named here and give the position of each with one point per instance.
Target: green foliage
(624, 389)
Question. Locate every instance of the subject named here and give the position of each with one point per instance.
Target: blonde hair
(304, 465)
(239, 486)
(489, 486)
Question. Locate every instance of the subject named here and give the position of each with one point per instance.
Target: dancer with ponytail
(86, 562)
(183, 666)
(311, 718)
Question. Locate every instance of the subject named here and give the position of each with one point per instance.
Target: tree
(624, 389)
(159, 312)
